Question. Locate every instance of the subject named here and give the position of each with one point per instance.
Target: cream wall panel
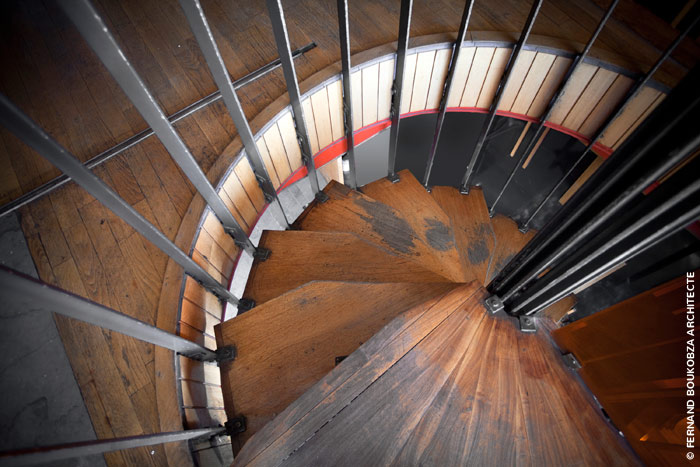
(461, 74)
(607, 104)
(421, 81)
(356, 90)
(310, 126)
(549, 86)
(322, 117)
(576, 85)
(289, 138)
(275, 147)
(535, 77)
(262, 148)
(520, 70)
(335, 108)
(370, 85)
(477, 74)
(493, 77)
(386, 78)
(437, 80)
(594, 92)
(408, 75)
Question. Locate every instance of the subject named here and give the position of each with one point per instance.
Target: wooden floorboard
(460, 387)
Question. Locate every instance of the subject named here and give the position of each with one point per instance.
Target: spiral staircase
(370, 343)
(236, 306)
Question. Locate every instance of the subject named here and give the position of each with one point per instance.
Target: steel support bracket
(523, 228)
(571, 361)
(236, 425)
(226, 354)
(428, 188)
(321, 197)
(393, 178)
(493, 304)
(261, 254)
(527, 323)
(464, 190)
(245, 304)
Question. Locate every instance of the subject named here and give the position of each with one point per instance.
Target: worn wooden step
(289, 343)
(509, 241)
(300, 256)
(424, 216)
(353, 212)
(447, 385)
(471, 225)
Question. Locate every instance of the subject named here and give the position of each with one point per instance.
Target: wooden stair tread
(444, 385)
(299, 256)
(424, 215)
(509, 241)
(471, 225)
(351, 211)
(288, 343)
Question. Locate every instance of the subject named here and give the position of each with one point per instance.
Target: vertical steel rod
(279, 29)
(631, 94)
(614, 208)
(202, 32)
(456, 51)
(93, 29)
(397, 86)
(34, 136)
(50, 455)
(553, 103)
(29, 293)
(647, 242)
(344, 30)
(499, 94)
(632, 164)
(122, 146)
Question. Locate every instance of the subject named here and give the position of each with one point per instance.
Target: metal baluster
(553, 103)
(499, 94)
(456, 51)
(397, 86)
(132, 141)
(51, 454)
(205, 38)
(344, 30)
(631, 94)
(28, 293)
(279, 29)
(34, 136)
(95, 32)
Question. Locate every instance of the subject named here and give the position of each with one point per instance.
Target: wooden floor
(444, 384)
(76, 243)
